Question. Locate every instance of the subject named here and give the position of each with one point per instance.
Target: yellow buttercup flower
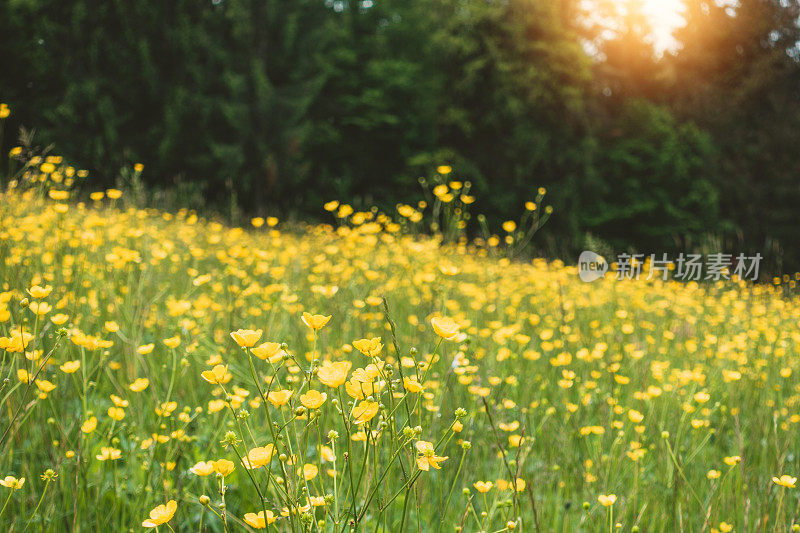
(258, 520)
(359, 389)
(202, 468)
(246, 338)
(702, 397)
(223, 467)
(145, 349)
(427, 456)
(139, 384)
(365, 411)
(217, 375)
(172, 342)
(108, 454)
(258, 457)
(17, 342)
(313, 399)
(445, 327)
(333, 374)
(59, 319)
(119, 402)
(785, 481)
(635, 416)
(607, 500)
(369, 347)
(636, 454)
(70, 366)
(40, 308)
(515, 440)
(270, 351)
(89, 425)
(279, 398)
(44, 385)
(161, 514)
(412, 385)
(326, 452)
(483, 486)
(40, 292)
(444, 169)
(315, 322)
(12, 483)
(308, 472)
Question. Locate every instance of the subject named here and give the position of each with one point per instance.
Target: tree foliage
(283, 105)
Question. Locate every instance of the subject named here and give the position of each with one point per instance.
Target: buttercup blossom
(445, 327)
(315, 322)
(785, 481)
(258, 520)
(12, 483)
(246, 338)
(161, 514)
(427, 456)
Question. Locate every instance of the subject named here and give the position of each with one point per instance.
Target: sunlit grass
(374, 379)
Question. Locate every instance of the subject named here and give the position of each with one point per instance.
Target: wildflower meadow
(165, 370)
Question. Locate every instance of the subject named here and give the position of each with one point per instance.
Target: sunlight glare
(665, 16)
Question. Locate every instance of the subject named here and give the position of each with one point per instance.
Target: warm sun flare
(665, 16)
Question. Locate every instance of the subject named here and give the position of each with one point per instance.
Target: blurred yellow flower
(785, 481)
(427, 456)
(246, 338)
(108, 454)
(202, 468)
(223, 467)
(172, 342)
(445, 327)
(333, 374)
(607, 500)
(270, 351)
(279, 398)
(365, 411)
(40, 292)
(139, 384)
(217, 375)
(161, 514)
(315, 322)
(483, 486)
(145, 349)
(70, 366)
(313, 399)
(89, 425)
(12, 483)
(258, 520)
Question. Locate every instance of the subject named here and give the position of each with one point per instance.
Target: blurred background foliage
(276, 106)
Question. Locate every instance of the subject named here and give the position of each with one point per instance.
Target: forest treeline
(279, 106)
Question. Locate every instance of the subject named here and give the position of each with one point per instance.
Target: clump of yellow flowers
(160, 370)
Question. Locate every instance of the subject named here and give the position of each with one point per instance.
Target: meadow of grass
(163, 370)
